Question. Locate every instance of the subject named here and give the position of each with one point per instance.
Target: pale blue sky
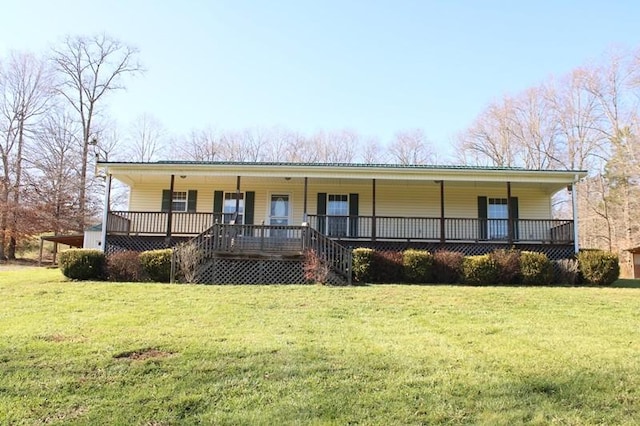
(372, 66)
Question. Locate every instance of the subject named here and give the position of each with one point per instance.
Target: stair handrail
(207, 239)
(333, 254)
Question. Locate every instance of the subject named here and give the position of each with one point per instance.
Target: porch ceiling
(134, 174)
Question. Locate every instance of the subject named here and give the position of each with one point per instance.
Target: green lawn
(155, 354)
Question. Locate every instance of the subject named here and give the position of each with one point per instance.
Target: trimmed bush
(387, 266)
(417, 266)
(598, 267)
(480, 270)
(536, 268)
(508, 262)
(125, 266)
(363, 265)
(82, 264)
(566, 271)
(447, 267)
(157, 264)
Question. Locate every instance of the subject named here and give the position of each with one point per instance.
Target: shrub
(480, 270)
(536, 268)
(447, 267)
(363, 265)
(82, 264)
(598, 267)
(508, 262)
(188, 258)
(387, 266)
(417, 266)
(157, 264)
(315, 269)
(125, 266)
(566, 271)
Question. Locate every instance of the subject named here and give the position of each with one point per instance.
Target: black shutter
(249, 203)
(482, 217)
(513, 209)
(166, 200)
(218, 199)
(353, 215)
(321, 210)
(192, 200)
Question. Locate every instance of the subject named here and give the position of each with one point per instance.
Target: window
(179, 201)
(498, 215)
(337, 205)
(229, 207)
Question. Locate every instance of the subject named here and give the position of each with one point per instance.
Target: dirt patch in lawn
(143, 354)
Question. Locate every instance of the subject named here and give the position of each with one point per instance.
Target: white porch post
(574, 202)
(105, 214)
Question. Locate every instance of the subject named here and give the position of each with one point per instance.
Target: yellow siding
(393, 198)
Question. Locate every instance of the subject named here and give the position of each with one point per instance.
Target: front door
(279, 214)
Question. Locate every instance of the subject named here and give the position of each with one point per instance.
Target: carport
(75, 240)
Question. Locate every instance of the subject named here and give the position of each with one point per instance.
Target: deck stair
(257, 254)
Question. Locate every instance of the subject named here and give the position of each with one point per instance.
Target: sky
(375, 67)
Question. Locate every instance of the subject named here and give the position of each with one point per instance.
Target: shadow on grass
(626, 283)
(621, 283)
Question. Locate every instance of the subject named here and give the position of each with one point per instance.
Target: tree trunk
(13, 223)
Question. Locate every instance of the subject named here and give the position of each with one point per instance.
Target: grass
(154, 354)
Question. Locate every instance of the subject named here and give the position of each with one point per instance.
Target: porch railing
(558, 231)
(155, 223)
(555, 231)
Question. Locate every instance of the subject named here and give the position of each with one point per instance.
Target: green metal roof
(345, 165)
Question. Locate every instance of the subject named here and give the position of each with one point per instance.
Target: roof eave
(345, 171)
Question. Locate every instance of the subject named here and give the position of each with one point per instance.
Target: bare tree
(411, 147)
(490, 139)
(299, 148)
(581, 143)
(24, 95)
(254, 142)
(372, 151)
(612, 84)
(533, 127)
(199, 145)
(89, 68)
(53, 176)
(146, 139)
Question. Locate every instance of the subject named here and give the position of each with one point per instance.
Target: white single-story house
(280, 208)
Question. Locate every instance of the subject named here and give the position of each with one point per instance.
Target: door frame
(269, 200)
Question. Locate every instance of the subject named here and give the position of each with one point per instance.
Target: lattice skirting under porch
(248, 270)
(553, 251)
(117, 243)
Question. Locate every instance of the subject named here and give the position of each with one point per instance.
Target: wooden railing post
(374, 225)
(304, 235)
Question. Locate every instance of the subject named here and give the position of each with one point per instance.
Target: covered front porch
(353, 205)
